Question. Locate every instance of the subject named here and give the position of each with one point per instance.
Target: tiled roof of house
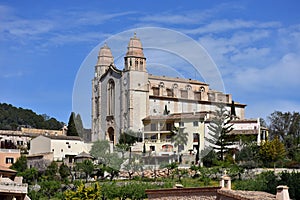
(244, 132)
(63, 137)
(176, 116)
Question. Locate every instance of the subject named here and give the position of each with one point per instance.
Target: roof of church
(105, 56)
(176, 79)
(135, 48)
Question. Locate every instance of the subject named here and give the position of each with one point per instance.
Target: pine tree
(219, 128)
(72, 131)
(79, 125)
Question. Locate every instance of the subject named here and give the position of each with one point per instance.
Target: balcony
(12, 187)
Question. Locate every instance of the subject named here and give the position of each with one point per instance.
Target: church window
(155, 91)
(169, 92)
(197, 96)
(111, 97)
(211, 97)
(141, 65)
(188, 87)
(136, 64)
(202, 89)
(184, 94)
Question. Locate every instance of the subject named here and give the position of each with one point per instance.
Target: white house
(63, 147)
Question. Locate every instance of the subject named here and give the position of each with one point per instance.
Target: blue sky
(254, 44)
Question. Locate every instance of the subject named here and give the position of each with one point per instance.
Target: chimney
(18, 179)
(225, 182)
(282, 193)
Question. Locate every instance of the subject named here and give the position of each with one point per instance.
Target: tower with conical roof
(136, 87)
(135, 59)
(105, 60)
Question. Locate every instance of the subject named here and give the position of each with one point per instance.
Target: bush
(266, 181)
(292, 180)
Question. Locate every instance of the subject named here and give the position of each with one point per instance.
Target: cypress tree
(72, 131)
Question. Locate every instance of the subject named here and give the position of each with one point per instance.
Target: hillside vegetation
(11, 118)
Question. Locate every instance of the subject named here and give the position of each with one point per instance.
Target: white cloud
(224, 25)
(237, 49)
(55, 26)
(250, 53)
(189, 17)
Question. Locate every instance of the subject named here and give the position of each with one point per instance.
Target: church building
(133, 99)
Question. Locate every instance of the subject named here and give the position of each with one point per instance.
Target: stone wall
(207, 193)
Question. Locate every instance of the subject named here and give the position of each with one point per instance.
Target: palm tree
(179, 139)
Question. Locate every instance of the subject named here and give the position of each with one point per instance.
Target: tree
(12, 118)
(92, 192)
(170, 167)
(79, 125)
(72, 131)
(210, 159)
(129, 137)
(87, 167)
(51, 170)
(179, 139)
(133, 165)
(272, 151)
(123, 148)
(286, 126)
(219, 128)
(64, 172)
(49, 187)
(248, 156)
(30, 175)
(101, 151)
(20, 165)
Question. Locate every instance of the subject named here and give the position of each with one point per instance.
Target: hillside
(11, 118)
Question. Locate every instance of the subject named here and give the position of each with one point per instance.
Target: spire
(135, 48)
(135, 59)
(105, 59)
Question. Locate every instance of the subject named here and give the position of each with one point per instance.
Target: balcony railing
(10, 150)
(13, 187)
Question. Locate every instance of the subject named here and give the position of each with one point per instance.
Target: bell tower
(135, 79)
(135, 59)
(105, 59)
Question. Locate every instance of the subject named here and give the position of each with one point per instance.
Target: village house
(64, 148)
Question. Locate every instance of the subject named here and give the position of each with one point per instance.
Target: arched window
(111, 97)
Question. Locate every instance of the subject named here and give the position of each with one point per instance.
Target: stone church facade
(133, 99)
